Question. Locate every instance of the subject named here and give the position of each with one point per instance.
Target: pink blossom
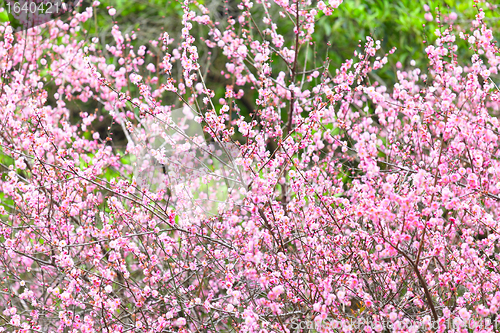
(187, 211)
(335, 3)
(180, 321)
(275, 292)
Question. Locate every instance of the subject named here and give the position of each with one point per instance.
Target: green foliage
(397, 24)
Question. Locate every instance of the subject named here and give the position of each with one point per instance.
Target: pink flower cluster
(359, 199)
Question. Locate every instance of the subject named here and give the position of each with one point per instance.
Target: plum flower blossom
(275, 292)
(335, 3)
(244, 183)
(180, 322)
(135, 78)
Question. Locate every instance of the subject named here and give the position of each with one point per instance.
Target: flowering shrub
(345, 198)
